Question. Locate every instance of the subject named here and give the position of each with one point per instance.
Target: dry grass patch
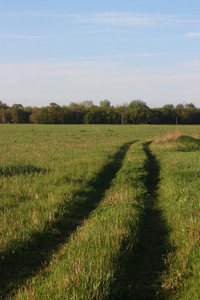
(195, 136)
(170, 136)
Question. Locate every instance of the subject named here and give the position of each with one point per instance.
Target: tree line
(136, 112)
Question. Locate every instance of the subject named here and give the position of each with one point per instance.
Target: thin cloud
(95, 74)
(117, 57)
(142, 19)
(121, 19)
(112, 18)
(192, 35)
(42, 14)
(25, 37)
(135, 19)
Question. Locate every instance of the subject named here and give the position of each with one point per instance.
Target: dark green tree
(18, 114)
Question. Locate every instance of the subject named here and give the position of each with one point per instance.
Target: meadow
(99, 211)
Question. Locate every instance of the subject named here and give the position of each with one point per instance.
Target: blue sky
(70, 51)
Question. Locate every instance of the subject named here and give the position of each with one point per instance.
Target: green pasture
(99, 212)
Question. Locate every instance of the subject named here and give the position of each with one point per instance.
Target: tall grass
(170, 136)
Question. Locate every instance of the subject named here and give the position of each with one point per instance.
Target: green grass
(99, 212)
(179, 195)
(188, 143)
(86, 266)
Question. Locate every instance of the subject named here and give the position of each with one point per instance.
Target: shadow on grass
(20, 168)
(29, 258)
(142, 268)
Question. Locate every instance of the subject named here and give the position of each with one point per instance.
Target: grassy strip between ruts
(86, 267)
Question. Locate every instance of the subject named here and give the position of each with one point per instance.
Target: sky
(66, 51)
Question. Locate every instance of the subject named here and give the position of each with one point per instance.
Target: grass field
(99, 212)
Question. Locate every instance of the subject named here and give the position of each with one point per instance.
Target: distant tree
(3, 108)
(137, 112)
(97, 115)
(89, 117)
(179, 109)
(8, 115)
(28, 109)
(134, 115)
(137, 104)
(34, 117)
(3, 105)
(180, 106)
(55, 115)
(111, 115)
(157, 116)
(189, 105)
(122, 111)
(105, 103)
(65, 114)
(168, 114)
(139, 115)
(17, 106)
(149, 115)
(125, 105)
(87, 103)
(168, 106)
(2, 115)
(53, 104)
(116, 117)
(191, 116)
(72, 105)
(18, 114)
(43, 115)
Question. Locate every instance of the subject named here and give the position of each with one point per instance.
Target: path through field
(144, 267)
